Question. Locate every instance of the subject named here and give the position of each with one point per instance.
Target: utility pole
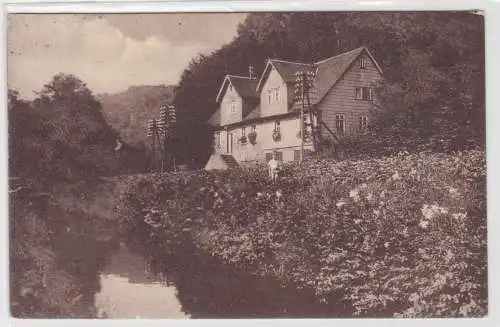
(303, 82)
(151, 132)
(165, 125)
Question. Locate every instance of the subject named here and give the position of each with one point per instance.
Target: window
(254, 127)
(279, 155)
(269, 156)
(217, 139)
(363, 123)
(233, 107)
(364, 93)
(277, 95)
(270, 96)
(363, 62)
(340, 123)
(243, 131)
(230, 142)
(296, 155)
(277, 125)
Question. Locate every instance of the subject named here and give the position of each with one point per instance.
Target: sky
(110, 52)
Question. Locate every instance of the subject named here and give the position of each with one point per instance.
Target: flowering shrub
(402, 236)
(276, 135)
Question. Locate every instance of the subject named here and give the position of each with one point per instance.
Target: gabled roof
(286, 69)
(215, 118)
(255, 113)
(330, 70)
(244, 86)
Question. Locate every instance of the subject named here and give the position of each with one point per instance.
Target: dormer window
(270, 96)
(363, 62)
(232, 106)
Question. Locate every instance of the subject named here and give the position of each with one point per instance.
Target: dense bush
(399, 236)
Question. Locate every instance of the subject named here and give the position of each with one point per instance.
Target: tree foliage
(433, 67)
(62, 134)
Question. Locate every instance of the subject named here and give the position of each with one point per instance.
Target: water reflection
(128, 290)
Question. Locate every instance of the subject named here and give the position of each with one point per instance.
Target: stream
(128, 290)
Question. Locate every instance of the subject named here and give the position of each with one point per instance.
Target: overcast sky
(110, 52)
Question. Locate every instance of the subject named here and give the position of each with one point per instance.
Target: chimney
(251, 72)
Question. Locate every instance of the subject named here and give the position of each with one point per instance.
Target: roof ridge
(339, 55)
(292, 62)
(238, 76)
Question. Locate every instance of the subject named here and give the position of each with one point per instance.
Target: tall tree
(62, 134)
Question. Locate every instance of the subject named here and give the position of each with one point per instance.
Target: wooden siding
(226, 116)
(274, 81)
(341, 99)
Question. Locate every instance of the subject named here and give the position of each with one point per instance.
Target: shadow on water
(208, 288)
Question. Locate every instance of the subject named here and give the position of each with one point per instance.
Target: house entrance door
(229, 142)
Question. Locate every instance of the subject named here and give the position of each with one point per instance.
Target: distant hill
(129, 111)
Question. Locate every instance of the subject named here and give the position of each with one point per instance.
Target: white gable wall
(227, 116)
(273, 82)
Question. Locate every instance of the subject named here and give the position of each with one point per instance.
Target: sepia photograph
(321, 164)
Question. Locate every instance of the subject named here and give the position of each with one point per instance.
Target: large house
(257, 117)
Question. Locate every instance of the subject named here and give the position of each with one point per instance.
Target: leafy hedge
(399, 236)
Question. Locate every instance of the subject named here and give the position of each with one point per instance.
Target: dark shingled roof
(288, 69)
(215, 118)
(255, 113)
(246, 87)
(328, 72)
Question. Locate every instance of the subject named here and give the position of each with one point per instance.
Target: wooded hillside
(433, 64)
(129, 111)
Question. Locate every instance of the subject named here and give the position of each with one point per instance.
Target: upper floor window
(274, 95)
(232, 106)
(364, 93)
(277, 95)
(340, 123)
(362, 62)
(363, 123)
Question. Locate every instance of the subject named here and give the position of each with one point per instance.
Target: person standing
(274, 167)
